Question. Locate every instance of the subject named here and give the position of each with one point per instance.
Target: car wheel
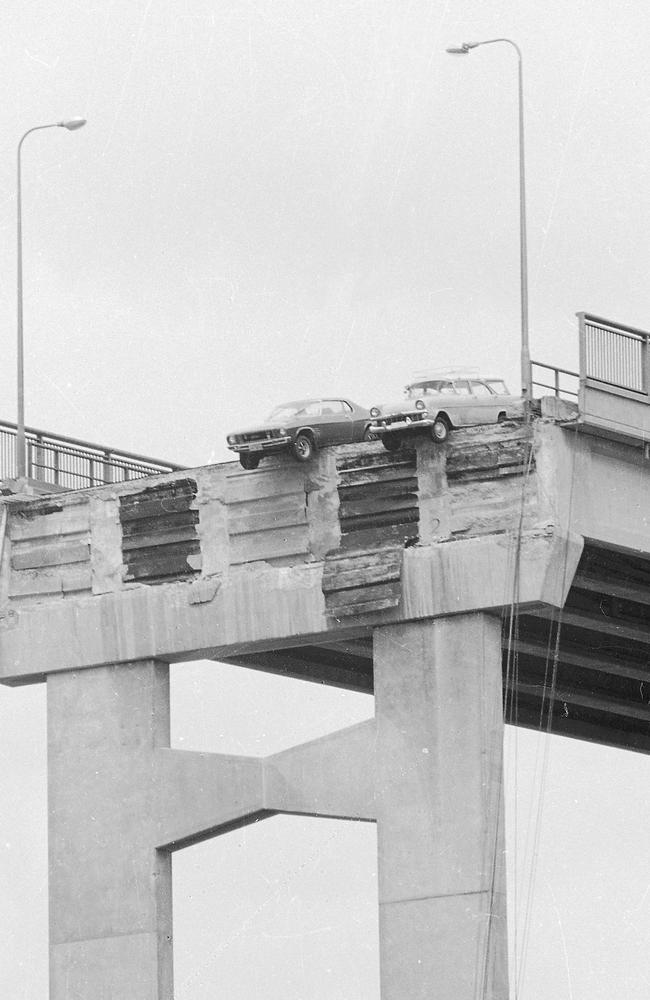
(248, 461)
(303, 447)
(501, 419)
(391, 442)
(368, 435)
(440, 429)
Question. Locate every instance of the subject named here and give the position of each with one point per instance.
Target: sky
(282, 198)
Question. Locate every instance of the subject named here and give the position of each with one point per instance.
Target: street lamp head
(72, 123)
(463, 49)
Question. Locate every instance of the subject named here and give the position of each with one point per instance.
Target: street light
(71, 124)
(526, 373)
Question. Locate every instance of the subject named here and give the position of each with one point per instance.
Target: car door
(457, 400)
(335, 422)
(506, 402)
(485, 405)
(359, 420)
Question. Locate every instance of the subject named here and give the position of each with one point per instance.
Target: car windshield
(284, 413)
(433, 387)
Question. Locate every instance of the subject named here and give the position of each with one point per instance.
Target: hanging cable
(510, 709)
(545, 730)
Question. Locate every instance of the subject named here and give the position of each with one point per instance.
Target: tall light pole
(526, 373)
(21, 465)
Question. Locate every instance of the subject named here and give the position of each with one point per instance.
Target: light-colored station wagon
(437, 405)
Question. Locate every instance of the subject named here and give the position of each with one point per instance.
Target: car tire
(392, 442)
(303, 447)
(368, 435)
(501, 419)
(440, 429)
(248, 461)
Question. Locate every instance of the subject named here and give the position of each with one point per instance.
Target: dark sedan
(301, 428)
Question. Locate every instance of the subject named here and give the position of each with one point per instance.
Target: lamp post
(526, 373)
(70, 124)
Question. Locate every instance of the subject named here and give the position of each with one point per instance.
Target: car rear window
(497, 385)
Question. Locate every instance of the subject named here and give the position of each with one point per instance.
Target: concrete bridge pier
(440, 812)
(110, 889)
(431, 761)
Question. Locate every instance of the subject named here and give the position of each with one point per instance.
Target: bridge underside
(582, 671)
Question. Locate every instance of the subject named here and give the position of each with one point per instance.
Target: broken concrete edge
(261, 607)
(27, 488)
(557, 409)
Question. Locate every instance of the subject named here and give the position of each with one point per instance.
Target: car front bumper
(401, 423)
(261, 447)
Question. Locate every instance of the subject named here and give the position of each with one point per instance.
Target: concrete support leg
(110, 890)
(440, 810)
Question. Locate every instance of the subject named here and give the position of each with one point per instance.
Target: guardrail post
(108, 469)
(38, 465)
(582, 361)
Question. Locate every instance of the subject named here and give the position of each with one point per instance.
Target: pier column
(440, 813)
(110, 890)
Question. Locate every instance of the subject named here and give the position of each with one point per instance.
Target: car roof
(313, 399)
(455, 378)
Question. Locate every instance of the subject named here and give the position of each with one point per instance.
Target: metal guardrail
(73, 464)
(614, 354)
(612, 388)
(563, 383)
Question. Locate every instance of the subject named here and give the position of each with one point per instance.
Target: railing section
(72, 464)
(562, 383)
(614, 354)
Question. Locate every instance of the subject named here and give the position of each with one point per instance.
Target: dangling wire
(510, 709)
(544, 729)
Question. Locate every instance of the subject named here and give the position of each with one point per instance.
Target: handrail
(71, 463)
(77, 442)
(558, 390)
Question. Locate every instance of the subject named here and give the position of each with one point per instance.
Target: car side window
(331, 406)
(481, 389)
(463, 388)
(312, 410)
(345, 406)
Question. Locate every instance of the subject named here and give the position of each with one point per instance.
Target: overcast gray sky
(285, 197)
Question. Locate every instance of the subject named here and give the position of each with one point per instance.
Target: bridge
(502, 576)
